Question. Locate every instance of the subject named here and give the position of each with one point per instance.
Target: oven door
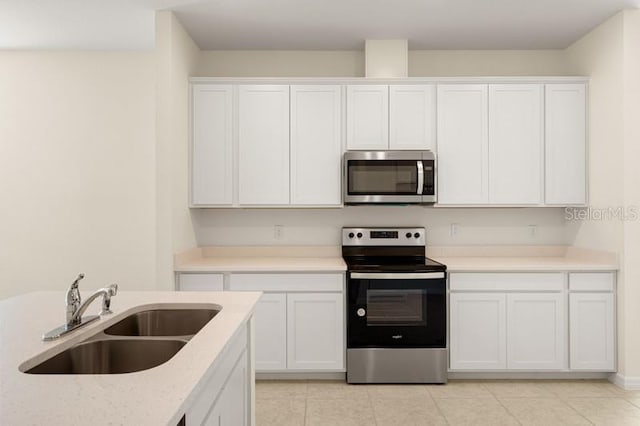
(396, 310)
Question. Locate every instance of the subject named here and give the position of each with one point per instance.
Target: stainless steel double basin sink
(138, 342)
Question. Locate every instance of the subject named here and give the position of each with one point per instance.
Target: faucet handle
(77, 280)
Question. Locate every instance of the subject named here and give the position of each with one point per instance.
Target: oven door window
(382, 177)
(396, 307)
(409, 313)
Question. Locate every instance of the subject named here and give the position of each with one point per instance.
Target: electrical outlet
(278, 231)
(533, 230)
(454, 229)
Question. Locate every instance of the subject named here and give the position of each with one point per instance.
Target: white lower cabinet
(225, 397)
(532, 321)
(478, 331)
(592, 322)
(299, 321)
(271, 332)
(536, 331)
(315, 331)
(231, 408)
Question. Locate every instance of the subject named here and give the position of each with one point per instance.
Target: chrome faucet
(75, 308)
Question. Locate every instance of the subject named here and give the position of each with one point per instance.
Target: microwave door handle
(420, 177)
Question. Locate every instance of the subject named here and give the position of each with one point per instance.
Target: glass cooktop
(394, 265)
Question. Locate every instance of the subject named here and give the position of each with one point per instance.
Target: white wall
(630, 297)
(599, 55)
(610, 55)
(456, 63)
(177, 56)
(280, 63)
(322, 227)
(76, 170)
(422, 63)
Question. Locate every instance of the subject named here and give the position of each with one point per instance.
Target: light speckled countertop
(261, 259)
(151, 397)
(457, 259)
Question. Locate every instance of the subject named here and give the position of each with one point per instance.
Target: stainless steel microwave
(389, 177)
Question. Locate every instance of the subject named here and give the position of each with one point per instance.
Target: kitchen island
(190, 385)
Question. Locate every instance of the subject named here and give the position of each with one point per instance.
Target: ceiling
(305, 24)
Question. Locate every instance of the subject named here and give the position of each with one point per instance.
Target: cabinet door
(271, 332)
(368, 117)
(592, 331)
(212, 153)
(536, 331)
(232, 406)
(477, 333)
(315, 331)
(565, 144)
(515, 143)
(263, 138)
(462, 144)
(316, 145)
(412, 116)
(200, 282)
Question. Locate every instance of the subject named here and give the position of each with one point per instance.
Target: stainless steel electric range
(396, 307)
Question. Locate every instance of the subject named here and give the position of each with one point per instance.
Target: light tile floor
(513, 402)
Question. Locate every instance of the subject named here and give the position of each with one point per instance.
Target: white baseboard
(626, 383)
(528, 375)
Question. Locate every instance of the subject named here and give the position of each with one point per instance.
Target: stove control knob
(417, 235)
(408, 235)
(359, 234)
(351, 234)
(361, 312)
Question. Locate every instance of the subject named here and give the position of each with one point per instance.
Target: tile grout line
(306, 400)
(564, 401)
(375, 418)
(438, 407)
(506, 409)
(488, 389)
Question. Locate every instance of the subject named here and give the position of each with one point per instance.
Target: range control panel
(383, 236)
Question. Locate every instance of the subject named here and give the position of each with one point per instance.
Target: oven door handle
(397, 276)
(420, 177)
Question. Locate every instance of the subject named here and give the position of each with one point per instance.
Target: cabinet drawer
(286, 282)
(200, 282)
(591, 281)
(506, 281)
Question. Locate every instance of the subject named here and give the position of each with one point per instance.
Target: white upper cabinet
(565, 144)
(368, 117)
(316, 145)
(212, 145)
(263, 139)
(412, 117)
(462, 144)
(515, 143)
(518, 143)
